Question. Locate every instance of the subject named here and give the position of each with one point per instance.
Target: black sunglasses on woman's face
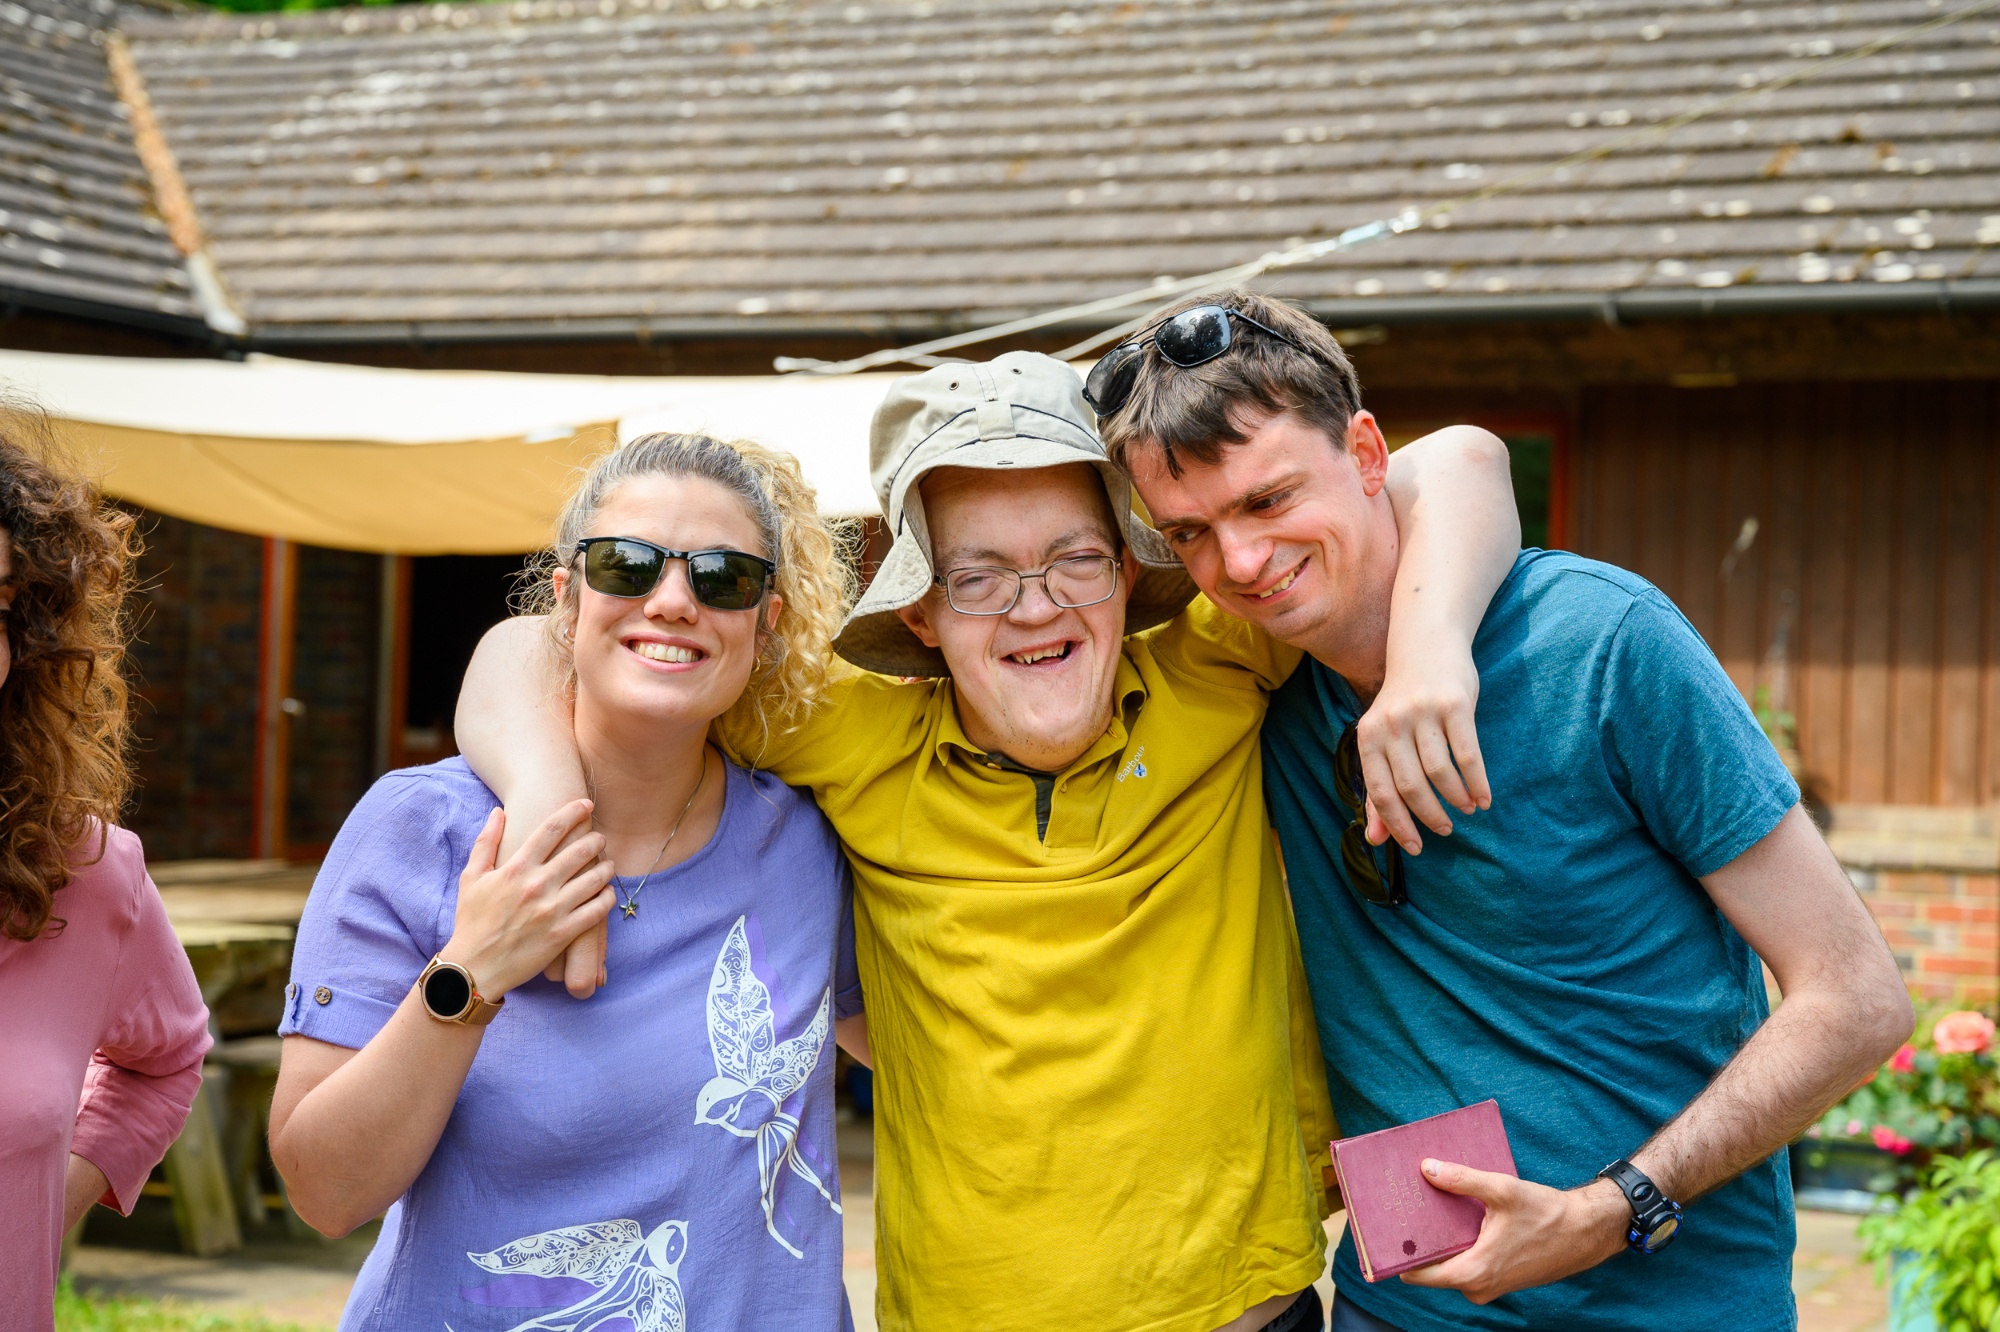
(1191, 338)
(629, 567)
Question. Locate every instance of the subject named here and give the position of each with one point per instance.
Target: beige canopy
(416, 462)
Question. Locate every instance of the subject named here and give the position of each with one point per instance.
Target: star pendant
(631, 910)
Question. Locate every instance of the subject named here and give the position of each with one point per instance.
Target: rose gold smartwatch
(450, 995)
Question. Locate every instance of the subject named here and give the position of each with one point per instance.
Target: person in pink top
(102, 1028)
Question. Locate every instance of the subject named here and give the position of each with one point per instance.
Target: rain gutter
(1943, 296)
(17, 300)
(1873, 298)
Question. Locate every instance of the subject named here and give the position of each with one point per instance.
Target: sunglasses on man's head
(1357, 853)
(1191, 338)
(629, 567)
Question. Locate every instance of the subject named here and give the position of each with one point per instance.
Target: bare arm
(513, 726)
(1453, 494)
(851, 1033)
(1845, 1010)
(352, 1129)
(84, 1184)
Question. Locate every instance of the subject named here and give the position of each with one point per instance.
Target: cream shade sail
(416, 462)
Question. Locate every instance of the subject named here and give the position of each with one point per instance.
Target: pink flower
(1963, 1032)
(1854, 1128)
(1904, 1060)
(1889, 1140)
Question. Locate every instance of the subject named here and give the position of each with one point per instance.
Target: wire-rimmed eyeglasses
(981, 589)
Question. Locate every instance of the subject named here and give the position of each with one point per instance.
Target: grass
(94, 1313)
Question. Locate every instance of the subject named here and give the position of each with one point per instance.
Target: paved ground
(307, 1283)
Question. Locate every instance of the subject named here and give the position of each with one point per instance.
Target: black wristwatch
(1656, 1218)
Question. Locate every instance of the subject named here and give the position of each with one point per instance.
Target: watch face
(447, 992)
(1662, 1233)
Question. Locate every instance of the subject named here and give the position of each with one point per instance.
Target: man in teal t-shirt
(1585, 950)
(1557, 951)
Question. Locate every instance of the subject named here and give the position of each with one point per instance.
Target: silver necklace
(631, 902)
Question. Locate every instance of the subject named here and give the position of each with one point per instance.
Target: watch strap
(1651, 1208)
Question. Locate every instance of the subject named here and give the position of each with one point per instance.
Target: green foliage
(1949, 1229)
(1920, 1106)
(1779, 725)
(91, 1313)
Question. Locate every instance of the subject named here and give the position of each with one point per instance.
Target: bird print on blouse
(636, 1276)
(755, 1073)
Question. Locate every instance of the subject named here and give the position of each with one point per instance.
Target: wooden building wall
(1868, 601)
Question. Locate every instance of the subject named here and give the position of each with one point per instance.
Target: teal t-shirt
(1557, 952)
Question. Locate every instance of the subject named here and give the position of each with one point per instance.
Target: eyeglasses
(1191, 338)
(1357, 854)
(629, 567)
(1081, 580)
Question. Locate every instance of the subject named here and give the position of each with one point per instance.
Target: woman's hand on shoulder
(514, 918)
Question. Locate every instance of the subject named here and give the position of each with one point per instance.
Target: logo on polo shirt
(1136, 767)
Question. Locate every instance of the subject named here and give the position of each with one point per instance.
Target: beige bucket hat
(1020, 411)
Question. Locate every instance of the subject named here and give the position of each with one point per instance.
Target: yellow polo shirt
(1101, 1102)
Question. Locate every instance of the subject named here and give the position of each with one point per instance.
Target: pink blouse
(102, 1032)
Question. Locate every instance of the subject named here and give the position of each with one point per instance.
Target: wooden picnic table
(236, 920)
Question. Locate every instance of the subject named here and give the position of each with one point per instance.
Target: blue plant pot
(1912, 1308)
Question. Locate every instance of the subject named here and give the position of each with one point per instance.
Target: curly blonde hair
(64, 728)
(813, 553)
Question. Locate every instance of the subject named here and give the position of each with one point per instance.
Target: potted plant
(1938, 1096)
(1944, 1243)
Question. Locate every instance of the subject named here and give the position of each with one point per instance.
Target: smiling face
(1287, 531)
(664, 658)
(1036, 683)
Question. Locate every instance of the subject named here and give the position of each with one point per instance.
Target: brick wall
(1932, 879)
(1943, 928)
(194, 658)
(333, 675)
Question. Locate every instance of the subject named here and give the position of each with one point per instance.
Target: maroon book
(1399, 1219)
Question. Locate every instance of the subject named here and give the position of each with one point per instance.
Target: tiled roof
(875, 164)
(77, 227)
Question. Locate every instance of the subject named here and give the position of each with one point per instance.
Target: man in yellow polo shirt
(1101, 1102)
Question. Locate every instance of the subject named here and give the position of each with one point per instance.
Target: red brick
(1972, 939)
(1961, 912)
(1953, 964)
(1909, 936)
(1893, 908)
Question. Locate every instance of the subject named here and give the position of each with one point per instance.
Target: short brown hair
(64, 728)
(1195, 413)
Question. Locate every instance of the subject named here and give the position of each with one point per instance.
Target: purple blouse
(658, 1157)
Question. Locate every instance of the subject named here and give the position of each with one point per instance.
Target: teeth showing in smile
(666, 652)
(1289, 579)
(1034, 655)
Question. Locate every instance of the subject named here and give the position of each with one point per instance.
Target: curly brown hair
(64, 729)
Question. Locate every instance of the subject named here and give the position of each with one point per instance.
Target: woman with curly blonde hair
(102, 1028)
(662, 1156)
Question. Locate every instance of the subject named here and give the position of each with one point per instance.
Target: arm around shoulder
(513, 725)
(1460, 534)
